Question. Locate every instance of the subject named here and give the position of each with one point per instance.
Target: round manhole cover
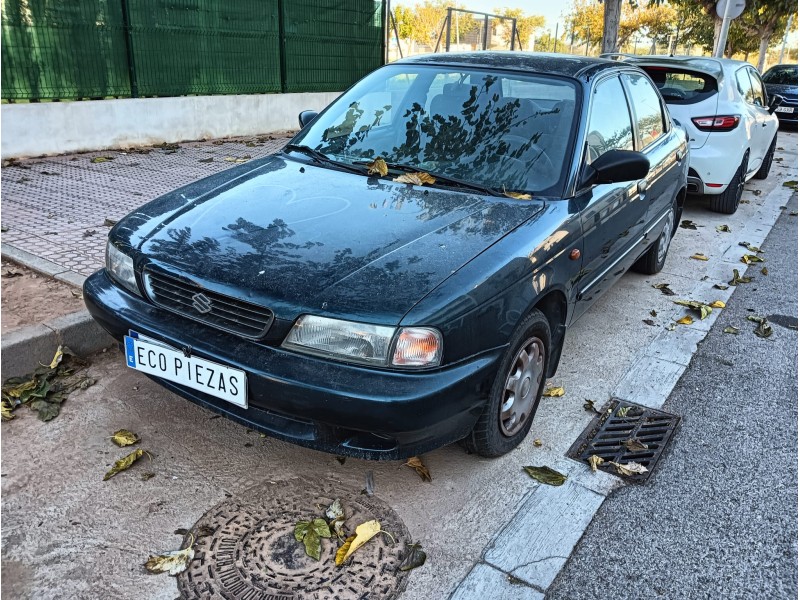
(252, 553)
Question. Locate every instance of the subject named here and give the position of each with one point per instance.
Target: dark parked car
(383, 308)
(782, 80)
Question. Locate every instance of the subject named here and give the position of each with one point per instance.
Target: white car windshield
(502, 130)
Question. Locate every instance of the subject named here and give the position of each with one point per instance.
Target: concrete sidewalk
(60, 208)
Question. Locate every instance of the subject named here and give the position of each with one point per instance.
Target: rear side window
(745, 86)
(681, 86)
(646, 109)
(759, 94)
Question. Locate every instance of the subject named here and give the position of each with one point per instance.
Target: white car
(725, 108)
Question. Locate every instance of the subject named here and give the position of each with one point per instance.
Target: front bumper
(334, 407)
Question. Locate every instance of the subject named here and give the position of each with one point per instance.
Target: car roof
(705, 64)
(539, 62)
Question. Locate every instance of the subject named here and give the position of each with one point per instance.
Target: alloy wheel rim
(521, 386)
(665, 237)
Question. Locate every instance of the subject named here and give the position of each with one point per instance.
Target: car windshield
(502, 130)
(781, 75)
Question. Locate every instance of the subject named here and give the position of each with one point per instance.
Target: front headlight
(364, 343)
(120, 267)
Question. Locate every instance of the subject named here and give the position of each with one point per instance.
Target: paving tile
(484, 581)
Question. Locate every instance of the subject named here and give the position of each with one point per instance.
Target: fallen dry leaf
(553, 392)
(631, 468)
(764, 271)
(378, 167)
(700, 307)
(687, 320)
(723, 229)
(699, 256)
(537, 443)
(5, 410)
(635, 445)
(102, 159)
(764, 329)
(717, 304)
(364, 533)
(415, 557)
(721, 286)
(335, 515)
(311, 534)
(731, 329)
(123, 438)
(653, 313)
(415, 462)
(649, 322)
(595, 461)
(623, 411)
(751, 258)
(546, 475)
(124, 463)
(737, 279)
(171, 562)
(664, 287)
(415, 178)
(589, 405)
(752, 248)
(687, 224)
(517, 195)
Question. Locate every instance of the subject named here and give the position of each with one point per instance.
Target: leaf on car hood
(595, 461)
(311, 534)
(378, 167)
(415, 178)
(737, 279)
(517, 195)
(546, 475)
(751, 258)
(723, 229)
(664, 287)
(364, 533)
(415, 557)
(687, 224)
(553, 392)
(123, 438)
(635, 445)
(731, 329)
(124, 463)
(628, 469)
(415, 462)
(171, 562)
(699, 256)
(687, 320)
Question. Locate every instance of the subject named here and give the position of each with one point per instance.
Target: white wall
(59, 127)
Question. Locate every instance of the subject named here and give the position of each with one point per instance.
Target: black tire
(728, 201)
(493, 435)
(652, 261)
(766, 164)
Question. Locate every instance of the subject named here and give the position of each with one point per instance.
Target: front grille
(180, 296)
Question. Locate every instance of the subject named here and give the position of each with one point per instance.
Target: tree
(588, 21)
(612, 13)
(526, 24)
(764, 19)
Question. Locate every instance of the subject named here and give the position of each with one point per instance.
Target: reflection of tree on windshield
(485, 138)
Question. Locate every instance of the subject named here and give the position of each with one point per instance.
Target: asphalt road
(718, 518)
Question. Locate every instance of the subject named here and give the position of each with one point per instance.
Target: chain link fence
(87, 49)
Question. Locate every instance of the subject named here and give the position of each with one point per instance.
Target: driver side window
(610, 125)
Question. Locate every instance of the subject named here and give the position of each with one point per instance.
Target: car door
(612, 214)
(754, 118)
(653, 137)
(767, 124)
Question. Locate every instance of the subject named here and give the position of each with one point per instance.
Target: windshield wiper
(447, 180)
(322, 158)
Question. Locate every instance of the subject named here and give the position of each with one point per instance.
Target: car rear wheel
(652, 261)
(728, 201)
(516, 391)
(766, 164)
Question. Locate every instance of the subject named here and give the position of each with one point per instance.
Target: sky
(551, 10)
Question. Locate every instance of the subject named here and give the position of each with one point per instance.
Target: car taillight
(716, 123)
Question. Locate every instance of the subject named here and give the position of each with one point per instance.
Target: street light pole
(785, 37)
(719, 51)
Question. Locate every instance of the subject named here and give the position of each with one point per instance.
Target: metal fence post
(447, 40)
(282, 46)
(514, 33)
(485, 32)
(126, 24)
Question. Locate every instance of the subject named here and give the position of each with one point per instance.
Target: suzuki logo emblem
(201, 303)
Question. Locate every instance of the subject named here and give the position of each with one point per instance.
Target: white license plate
(156, 358)
(784, 109)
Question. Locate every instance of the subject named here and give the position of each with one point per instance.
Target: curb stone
(23, 349)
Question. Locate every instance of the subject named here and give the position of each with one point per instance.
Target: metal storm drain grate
(625, 432)
(251, 553)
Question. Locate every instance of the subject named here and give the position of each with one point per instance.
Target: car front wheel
(516, 391)
(652, 261)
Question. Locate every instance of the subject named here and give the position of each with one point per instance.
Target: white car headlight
(364, 343)
(120, 267)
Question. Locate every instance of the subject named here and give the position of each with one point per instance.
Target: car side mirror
(615, 166)
(774, 102)
(306, 117)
